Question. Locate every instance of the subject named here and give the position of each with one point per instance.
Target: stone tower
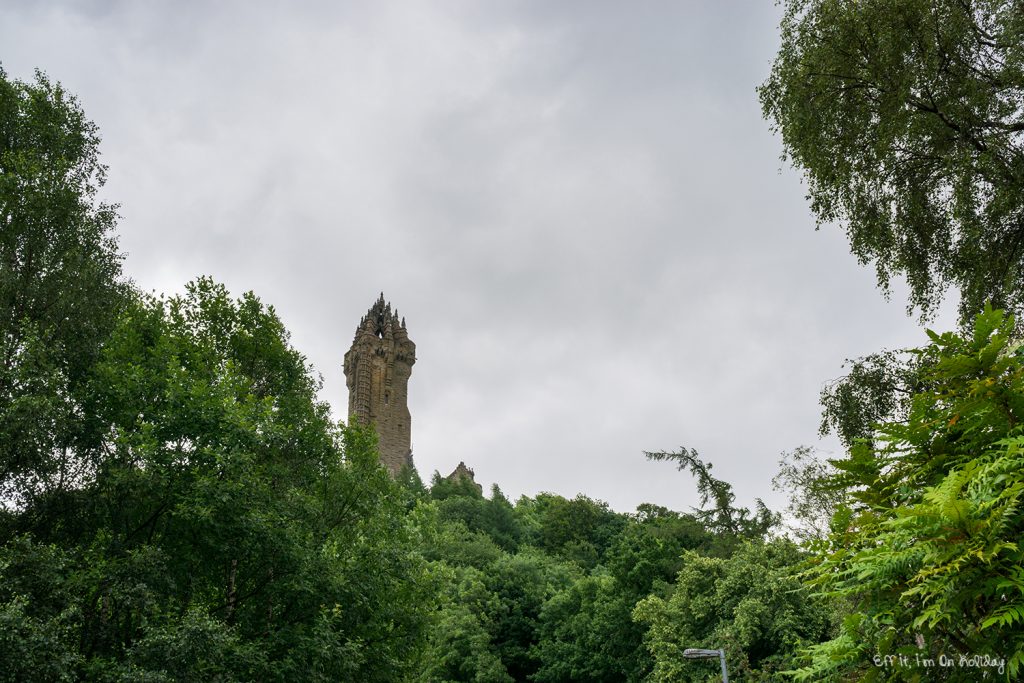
(377, 370)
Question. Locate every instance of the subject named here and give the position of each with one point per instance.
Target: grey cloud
(576, 205)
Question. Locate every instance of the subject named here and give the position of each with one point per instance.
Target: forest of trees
(177, 504)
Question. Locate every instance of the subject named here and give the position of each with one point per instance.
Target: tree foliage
(907, 119)
(230, 531)
(579, 529)
(878, 388)
(806, 481)
(586, 633)
(751, 604)
(586, 630)
(927, 551)
(721, 517)
(462, 647)
(60, 283)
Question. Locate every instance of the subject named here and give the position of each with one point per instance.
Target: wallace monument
(377, 370)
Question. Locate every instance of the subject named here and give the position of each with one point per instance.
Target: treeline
(556, 589)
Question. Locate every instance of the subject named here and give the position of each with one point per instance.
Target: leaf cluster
(907, 120)
(927, 547)
(722, 517)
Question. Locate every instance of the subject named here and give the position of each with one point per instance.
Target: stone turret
(464, 473)
(377, 370)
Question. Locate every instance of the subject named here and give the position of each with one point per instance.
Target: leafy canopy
(60, 283)
(907, 119)
(229, 530)
(927, 548)
(749, 603)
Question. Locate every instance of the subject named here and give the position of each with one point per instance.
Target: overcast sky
(576, 205)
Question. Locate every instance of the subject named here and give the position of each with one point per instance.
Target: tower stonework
(377, 370)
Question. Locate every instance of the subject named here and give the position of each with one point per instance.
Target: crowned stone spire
(377, 370)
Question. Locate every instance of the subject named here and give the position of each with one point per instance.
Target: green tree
(501, 521)
(649, 550)
(926, 549)
(60, 284)
(586, 630)
(906, 117)
(461, 643)
(806, 481)
(750, 603)
(460, 501)
(878, 388)
(410, 482)
(523, 583)
(718, 513)
(586, 634)
(580, 529)
(231, 531)
(38, 621)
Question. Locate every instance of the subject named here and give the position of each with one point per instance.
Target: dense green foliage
(594, 595)
(907, 119)
(60, 287)
(927, 551)
(749, 603)
(226, 530)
